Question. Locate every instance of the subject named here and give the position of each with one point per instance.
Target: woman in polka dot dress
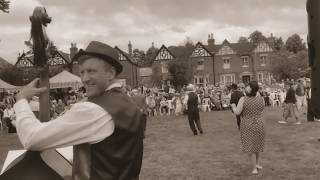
(252, 127)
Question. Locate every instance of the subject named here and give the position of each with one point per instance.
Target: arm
(84, 123)
(238, 109)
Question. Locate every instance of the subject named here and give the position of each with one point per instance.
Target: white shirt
(85, 122)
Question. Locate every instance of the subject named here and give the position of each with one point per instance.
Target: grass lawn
(292, 152)
(171, 151)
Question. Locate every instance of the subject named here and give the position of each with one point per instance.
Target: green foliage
(276, 43)
(12, 75)
(243, 39)
(4, 6)
(156, 77)
(289, 65)
(256, 37)
(295, 44)
(181, 73)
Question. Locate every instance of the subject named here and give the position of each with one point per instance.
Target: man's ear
(112, 73)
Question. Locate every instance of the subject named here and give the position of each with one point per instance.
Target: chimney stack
(73, 50)
(210, 40)
(130, 49)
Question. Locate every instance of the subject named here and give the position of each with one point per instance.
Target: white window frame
(164, 68)
(223, 78)
(260, 79)
(226, 65)
(245, 61)
(200, 80)
(200, 66)
(263, 59)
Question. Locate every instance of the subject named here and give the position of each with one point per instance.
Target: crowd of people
(293, 97)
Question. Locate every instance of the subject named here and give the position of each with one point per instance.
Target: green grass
(292, 152)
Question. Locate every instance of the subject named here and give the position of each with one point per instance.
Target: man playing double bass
(106, 131)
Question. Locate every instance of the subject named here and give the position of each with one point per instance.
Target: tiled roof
(65, 56)
(240, 48)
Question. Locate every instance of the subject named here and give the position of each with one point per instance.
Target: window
(144, 72)
(201, 80)
(227, 79)
(164, 68)
(263, 60)
(226, 63)
(200, 65)
(260, 77)
(245, 61)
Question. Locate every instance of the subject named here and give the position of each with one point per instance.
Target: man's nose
(85, 77)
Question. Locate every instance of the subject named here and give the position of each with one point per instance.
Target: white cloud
(166, 22)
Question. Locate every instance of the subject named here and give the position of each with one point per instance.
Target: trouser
(144, 124)
(194, 122)
(310, 114)
(238, 121)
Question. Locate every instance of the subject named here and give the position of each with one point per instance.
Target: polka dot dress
(252, 128)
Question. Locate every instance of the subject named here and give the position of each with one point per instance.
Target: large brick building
(212, 63)
(220, 63)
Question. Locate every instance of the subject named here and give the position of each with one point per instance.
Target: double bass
(30, 165)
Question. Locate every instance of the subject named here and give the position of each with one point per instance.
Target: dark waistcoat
(119, 156)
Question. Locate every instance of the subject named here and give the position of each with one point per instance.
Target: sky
(168, 22)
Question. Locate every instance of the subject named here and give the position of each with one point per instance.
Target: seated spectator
(163, 106)
(9, 118)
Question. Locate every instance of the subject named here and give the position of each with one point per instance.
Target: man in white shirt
(106, 131)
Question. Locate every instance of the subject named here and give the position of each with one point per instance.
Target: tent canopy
(6, 86)
(65, 79)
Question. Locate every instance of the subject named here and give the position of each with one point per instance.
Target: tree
(243, 39)
(295, 43)
(4, 6)
(139, 56)
(276, 43)
(289, 65)
(150, 55)
(181, 73)
(156, 77)
(256, 37)
(13, 75)
(279, 44)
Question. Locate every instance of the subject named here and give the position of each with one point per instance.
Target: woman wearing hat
(252, 128)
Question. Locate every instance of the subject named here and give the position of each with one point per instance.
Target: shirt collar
(116, 84)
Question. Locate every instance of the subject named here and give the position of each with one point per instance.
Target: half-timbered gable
(24, 61)
(164, 54)
(262, 47)
(57, 59)
(226, 49)
(200, 51)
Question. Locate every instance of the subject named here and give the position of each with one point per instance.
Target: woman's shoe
(255, 171)
(258, 166)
